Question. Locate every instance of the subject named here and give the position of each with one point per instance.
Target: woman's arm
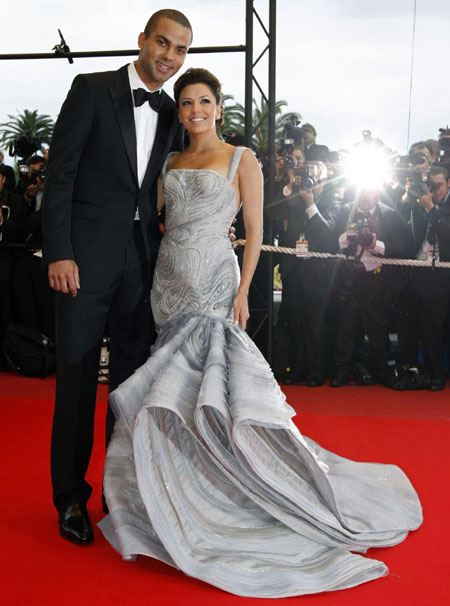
(251, 193)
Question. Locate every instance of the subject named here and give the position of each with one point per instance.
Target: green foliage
(234, 120)
(39, 125)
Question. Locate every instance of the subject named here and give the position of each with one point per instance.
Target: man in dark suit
(308, 215)
(101, 239)
(369, 229)
(10, 182)
(12, 209)
(313, 151)
(427, 297)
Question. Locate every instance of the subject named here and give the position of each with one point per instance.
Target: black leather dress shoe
(436, 384)
(74, 524)
(338, 381)
(315, 382)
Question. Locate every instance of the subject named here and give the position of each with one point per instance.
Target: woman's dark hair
(198, 75)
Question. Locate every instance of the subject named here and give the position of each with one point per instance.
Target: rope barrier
(382, 260)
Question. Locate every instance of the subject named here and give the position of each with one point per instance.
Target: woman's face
(198, 108)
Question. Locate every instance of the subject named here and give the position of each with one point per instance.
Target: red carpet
(371, 424)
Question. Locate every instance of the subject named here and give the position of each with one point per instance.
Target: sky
(344, 65)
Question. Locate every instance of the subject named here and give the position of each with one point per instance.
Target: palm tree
(31, 122)
(261, 126)
(234, 116)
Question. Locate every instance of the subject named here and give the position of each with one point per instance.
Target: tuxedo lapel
(123, 107)
(165, 133)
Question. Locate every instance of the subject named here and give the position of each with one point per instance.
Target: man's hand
(63, 276)
(232, 232)
(373, 243)
(426, 201)
(308, 196)
(1, 214)
(31, 192)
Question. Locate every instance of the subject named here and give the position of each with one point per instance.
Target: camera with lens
(287, 151)
(24, 145)
(444, 141)
(305, 177)
(417, 159)
(361, 230)
(292, 129)
(30, 178)
(419, 184)
(35, 175)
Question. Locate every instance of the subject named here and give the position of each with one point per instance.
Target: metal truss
(261, 295)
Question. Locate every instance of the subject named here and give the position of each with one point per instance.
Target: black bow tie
(141, 96)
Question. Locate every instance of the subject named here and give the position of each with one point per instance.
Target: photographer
(33, 296)
(12, 208)
(10, 182)
(428, 290)
(370, 230)
(312, 150)
(311, 209)
(32, 183)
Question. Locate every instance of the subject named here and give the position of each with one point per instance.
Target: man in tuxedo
(101, 239)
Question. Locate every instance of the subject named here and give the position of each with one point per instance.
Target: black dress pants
(307, 291)
(426, 307)
(80, 325)
(364, 301)
(34, 299)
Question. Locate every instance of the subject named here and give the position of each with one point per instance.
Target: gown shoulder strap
(166, 161)
(235, 159)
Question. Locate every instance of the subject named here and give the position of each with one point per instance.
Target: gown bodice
(197, 270)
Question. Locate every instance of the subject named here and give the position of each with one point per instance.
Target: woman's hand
(240, 310)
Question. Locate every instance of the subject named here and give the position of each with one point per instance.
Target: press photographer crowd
(346, 319)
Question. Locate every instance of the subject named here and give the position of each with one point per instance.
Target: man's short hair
(168, 13)
(419, 145)
(433, 145)
(36, 160)
(439, 170)
(309, 126)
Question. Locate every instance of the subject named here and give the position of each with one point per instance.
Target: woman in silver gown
(206, 470)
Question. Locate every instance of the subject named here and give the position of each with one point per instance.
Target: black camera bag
(29, 352)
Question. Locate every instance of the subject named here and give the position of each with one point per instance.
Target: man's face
(298, 156)
(2, 182)
(163, 52)
(442, 187)
(310, 137)
(35, 168)
(367, 199)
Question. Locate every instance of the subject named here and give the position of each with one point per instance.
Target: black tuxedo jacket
(91, 191)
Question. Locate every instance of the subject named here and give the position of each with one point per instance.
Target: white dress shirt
(146, 121)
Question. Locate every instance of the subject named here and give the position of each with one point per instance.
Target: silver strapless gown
(206, 470)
